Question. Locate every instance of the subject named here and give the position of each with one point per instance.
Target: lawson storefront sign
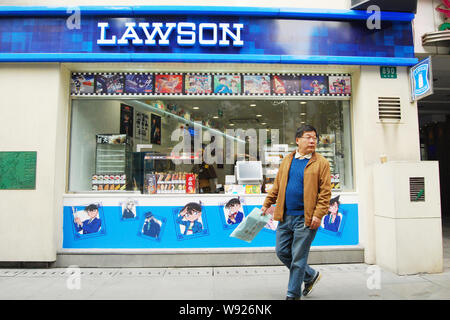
(204, 34)
(187, 34)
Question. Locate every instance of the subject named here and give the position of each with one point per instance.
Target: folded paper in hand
(251, 225)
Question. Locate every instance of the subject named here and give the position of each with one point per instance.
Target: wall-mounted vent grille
(417, 189)
(389, 109)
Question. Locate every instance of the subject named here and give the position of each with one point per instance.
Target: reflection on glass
(192, 145)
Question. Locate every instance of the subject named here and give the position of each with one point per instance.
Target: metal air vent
(417, 189)
(389, 109)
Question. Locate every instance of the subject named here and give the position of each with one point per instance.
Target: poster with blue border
(187, 224)
(88, 221)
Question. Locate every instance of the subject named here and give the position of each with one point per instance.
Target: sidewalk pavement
(339, 282)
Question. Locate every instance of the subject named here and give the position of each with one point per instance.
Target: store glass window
(197, 145)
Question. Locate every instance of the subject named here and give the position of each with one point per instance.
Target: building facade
(142, 135)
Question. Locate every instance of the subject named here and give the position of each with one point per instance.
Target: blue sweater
(294, 188)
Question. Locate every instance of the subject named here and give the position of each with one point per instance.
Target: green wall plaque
(388, 72)
(18, 170)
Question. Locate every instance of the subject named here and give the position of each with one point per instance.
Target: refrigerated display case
(112, 163)
(158, 174)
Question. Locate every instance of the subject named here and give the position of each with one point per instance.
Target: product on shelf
(169, 182)
(108, 182)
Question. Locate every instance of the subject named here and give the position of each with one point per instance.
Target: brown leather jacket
(316, 188)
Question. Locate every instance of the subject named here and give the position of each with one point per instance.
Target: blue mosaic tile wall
(261, 36)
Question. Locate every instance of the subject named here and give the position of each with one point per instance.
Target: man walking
(302, 193)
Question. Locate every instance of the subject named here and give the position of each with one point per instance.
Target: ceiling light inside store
(216, 117)
(259, 115)
(195, 108)
(302, 113)
(181, 119)
(302, 102)
(253, 105)
(263, 123)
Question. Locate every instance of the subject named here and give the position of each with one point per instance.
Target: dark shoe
(292, 298)
(310, 285)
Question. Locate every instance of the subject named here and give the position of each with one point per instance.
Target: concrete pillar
(34, 116)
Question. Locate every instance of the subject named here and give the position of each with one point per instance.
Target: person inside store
(91, 225)
(206, 174)
(302, 193)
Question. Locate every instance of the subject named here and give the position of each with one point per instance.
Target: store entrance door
(434, 122)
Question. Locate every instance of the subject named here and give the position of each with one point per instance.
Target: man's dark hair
(305, 128)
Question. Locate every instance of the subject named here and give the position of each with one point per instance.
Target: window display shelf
(112, 158)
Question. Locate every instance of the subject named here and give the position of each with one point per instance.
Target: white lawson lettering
(158, 34)
(186, 41)
(103, 41)
(130, 33)
(237, 42)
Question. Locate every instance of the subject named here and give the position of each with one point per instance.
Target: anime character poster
(190, 221)
(155, 129)
(197, 84)
(333, 222)
(128, 210)
(142, 131)
(152, 227)
(88, 221)
(314, 85)
(285, 84)
(109, 83)
(139, 83)
(232, 212)
(126, 120)
(168, 83)
(256, 84)
(227, 84)
(340, 84)
(271, 224)
(82, 83)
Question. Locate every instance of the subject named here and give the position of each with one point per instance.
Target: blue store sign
(421, 79)
(204, 34)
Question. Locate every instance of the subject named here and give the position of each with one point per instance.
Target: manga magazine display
(256, 84)
(82, 83)
(197, 84)
(227, 84)
(168, 83)
(139, 83)
(339, 84)
(109, 83)
(314, 85)
(285, 84)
